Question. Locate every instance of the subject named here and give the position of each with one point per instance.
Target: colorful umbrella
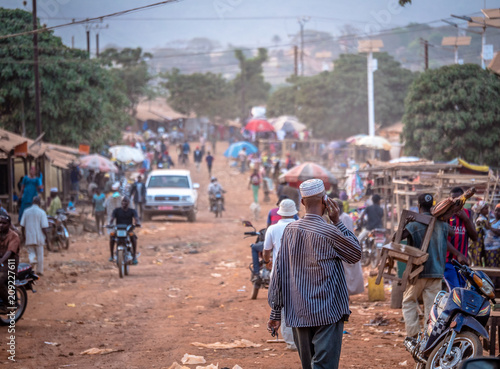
(288, 124)
(98, 163)
(126, 154)
(259, 125)
(354, 139)
(131, 137)
(308, 170)
(374, 142)
(234, 149)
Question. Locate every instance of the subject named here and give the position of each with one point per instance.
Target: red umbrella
(303, 172)
(259, 125)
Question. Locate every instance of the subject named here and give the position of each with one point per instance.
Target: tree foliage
(335, 104)
(204, 94)
(453, 112)
(80, 100)
(131, 69)
(249, 85)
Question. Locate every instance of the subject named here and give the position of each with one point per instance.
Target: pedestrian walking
(210, 160)
(308, 282)
(482, 223)
(138, 191)
(198, 157)
(30, 185)
(113, 201)
(98, 210)
(272, 244)
(36, 230)
(255, 183)
(242, 158)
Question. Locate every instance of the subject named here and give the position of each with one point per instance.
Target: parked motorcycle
(371, 247)
(59, 235)
(122, 234)
(216, 204)
(264, 276)
(456, 322)
(25, 280)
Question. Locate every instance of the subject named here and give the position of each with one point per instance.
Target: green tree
(80, 100)
(453, 112)
(204, 94)
(132, 69)
(249, 84)
(335, 104)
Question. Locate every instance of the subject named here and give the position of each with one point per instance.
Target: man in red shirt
(464, 229)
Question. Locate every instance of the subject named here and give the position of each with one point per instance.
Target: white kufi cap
(312, 187)
(54, 189)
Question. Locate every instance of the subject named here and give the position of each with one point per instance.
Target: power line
(116, 14)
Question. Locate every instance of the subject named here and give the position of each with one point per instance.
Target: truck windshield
(168, 182)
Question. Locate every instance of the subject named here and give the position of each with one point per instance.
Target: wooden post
(9, 182)
(393, 201)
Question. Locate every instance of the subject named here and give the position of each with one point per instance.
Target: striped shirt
(309, 281)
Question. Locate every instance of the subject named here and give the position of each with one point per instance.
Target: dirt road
(191, 285)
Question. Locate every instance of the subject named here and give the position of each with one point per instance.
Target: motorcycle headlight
(186, 198)
(487, 288)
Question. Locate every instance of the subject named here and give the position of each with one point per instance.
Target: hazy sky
(266, 18)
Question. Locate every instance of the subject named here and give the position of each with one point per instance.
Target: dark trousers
(319, 347)
(256, 249)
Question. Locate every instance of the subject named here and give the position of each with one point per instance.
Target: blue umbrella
(234, 149)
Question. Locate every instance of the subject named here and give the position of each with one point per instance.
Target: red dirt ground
(186, 288)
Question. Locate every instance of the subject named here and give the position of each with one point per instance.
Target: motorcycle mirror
(481, 363)
(246, 223)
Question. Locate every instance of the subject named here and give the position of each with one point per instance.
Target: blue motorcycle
(456, 322)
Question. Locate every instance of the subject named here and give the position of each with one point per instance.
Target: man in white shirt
(35, 224)
(272, 243)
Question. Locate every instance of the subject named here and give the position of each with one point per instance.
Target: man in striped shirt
(309, 282)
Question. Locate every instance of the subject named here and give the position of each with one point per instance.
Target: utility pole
(88, 43)
(369, 47)
(38, 117)
(296, 60)
(97, 45)
(72, 42)
(426, 54)
(302, 21)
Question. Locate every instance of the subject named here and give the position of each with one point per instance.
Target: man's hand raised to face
(333, 210)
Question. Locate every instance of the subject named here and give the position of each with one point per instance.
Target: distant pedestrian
(198, 157)
(242, 157)
(36, 226)
(98, 209)
(138, 191)
(30, 185)
(255, 183)
(210, 160)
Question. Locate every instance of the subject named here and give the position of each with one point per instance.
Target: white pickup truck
(171, 192)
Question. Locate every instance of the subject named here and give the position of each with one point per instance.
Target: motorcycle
(25, 280)
(59, 234)
(262, 279)
(456, 322)
(122, 234)
(371, 247)
(216, 204)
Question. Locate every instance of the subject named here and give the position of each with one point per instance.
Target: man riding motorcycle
(126, 216)
(213, 188)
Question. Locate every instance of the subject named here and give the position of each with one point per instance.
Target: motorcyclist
(126, 216)
(213, 188)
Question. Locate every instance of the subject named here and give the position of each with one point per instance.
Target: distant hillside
(321, 49)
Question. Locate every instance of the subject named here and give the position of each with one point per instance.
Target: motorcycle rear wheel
(22, 302)
(466, 343)
(366, 253)
(121, 263)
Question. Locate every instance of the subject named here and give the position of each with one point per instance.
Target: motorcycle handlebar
(456, 263)
(251, 234)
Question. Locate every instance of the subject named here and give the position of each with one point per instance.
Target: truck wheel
(192, 216)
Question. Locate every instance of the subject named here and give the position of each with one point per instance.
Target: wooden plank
(428, 234)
